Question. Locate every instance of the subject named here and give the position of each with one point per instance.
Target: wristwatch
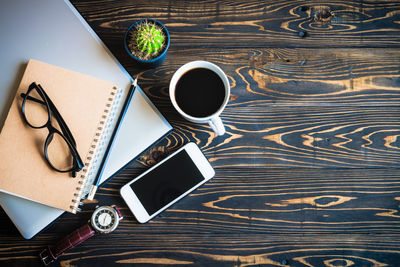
(104, 220)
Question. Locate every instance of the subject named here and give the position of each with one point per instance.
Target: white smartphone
(167, 182)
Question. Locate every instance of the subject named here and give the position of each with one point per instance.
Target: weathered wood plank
(318, 137)
(251, 24)
(292, 77)
(220, 250)
(251, 201)
(281, 201)
(337, 108)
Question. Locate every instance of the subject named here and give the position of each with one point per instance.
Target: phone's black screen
(167, 182)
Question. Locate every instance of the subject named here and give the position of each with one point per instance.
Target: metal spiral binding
(103, 139)
(95, 147)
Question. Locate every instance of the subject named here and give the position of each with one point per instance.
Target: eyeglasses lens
(36, 112)
(58, 153)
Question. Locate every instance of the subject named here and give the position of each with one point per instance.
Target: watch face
(105, 219)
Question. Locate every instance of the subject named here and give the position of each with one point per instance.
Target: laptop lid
(54, 32)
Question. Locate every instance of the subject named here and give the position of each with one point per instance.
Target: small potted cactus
(147, 42)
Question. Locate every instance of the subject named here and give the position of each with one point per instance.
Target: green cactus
(147, 40)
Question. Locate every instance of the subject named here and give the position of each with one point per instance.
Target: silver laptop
(54, 32)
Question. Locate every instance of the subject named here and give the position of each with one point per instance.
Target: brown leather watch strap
(119, 212)
(76, 237)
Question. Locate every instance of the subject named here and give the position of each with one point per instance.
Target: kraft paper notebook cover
(84, 103)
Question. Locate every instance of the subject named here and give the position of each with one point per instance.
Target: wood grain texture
(299, 137)
(295, 107)
(251, 24)
(223, 250)
(307, 174)
(270, 251)
(265, 200)
(292, 77)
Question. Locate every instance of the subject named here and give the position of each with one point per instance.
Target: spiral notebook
(86, 104)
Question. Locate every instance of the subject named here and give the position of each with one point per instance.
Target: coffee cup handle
(217, 125)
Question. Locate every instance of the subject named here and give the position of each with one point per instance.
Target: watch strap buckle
(46, 257)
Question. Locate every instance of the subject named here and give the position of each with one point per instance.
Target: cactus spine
(147, 40)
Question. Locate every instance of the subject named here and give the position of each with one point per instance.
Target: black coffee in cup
(199, 92)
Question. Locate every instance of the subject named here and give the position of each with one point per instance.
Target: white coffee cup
(213, 120)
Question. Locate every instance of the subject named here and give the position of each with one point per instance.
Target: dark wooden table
(307, 173)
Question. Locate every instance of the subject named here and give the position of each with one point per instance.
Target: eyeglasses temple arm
(33, 99)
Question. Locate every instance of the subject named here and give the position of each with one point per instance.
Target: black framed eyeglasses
(60, 147)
